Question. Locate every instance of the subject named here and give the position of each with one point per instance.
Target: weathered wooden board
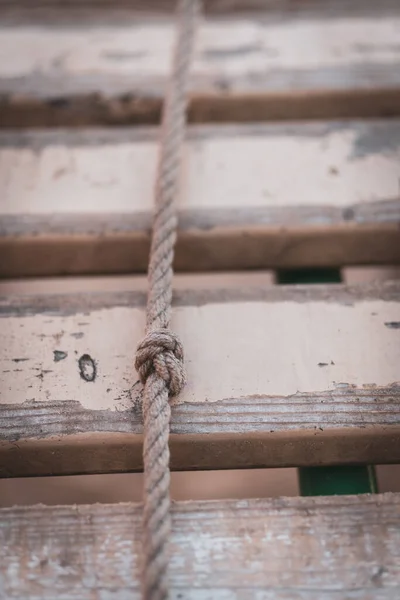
(280, 549)
(113, 488)
(318, 63)
(48, 8)
(251, 197)
(277, 376)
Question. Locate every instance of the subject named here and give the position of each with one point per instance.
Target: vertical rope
(159, 357)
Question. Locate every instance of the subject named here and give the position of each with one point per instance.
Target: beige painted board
(250, 197)
(124, 283)
(357, 275)
(187, 485)
(277, 549)
(184, 485)
(277, 376)
(246, 66)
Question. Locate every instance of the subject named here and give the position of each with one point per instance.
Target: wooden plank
(278, 376)
(314, 64)
(117, 11)
(280, 549)
(127, 283)
(184, 485)
(356, 275)
(81, 202)
(113, 7)
(181, 281)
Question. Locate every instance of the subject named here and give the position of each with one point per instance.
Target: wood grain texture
(81, 202)
(259, 392)
(313, 64)
(280, 549)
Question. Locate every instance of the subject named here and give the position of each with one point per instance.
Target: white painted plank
(250, 197)
(227, 48)
(232, 350)
(277, 376)
(334, 165)
(58, 67)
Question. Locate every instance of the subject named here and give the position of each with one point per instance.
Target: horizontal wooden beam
(259, 392)
(320, 62)
(98, 8)
(251, 197)
(314, 548)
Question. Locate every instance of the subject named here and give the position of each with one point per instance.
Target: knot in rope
(161, 352)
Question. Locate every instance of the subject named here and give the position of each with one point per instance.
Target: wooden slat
(119, 11)
(184, 485)
(278, 376)
(320, 63)
(251, 197)
(280, 549)
(96, 7)
(357, 275)
(137, 283)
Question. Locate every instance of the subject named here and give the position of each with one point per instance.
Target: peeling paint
(393, 324)
(87, 368)
(59, 355)
(232, 348)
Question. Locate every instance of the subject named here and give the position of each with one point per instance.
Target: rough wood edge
(348, 425)
(380, 212)
(67, 304)
(345, 406)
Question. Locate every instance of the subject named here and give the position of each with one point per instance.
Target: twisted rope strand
(159, 357)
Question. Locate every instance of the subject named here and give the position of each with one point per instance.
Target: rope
(159, 357)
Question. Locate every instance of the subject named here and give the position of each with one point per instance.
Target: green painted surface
(299, 276)
(330, 481)
(336, 480)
